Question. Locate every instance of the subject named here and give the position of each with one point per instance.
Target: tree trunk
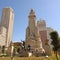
(56, 56)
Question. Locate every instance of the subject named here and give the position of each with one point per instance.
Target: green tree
(55, 42)
(18, 50)
(59, 40)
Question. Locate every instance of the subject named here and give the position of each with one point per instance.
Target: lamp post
(12, 52)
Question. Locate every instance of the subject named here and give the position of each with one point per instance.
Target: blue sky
(49, 10)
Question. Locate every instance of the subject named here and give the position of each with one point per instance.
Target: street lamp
(12, 50)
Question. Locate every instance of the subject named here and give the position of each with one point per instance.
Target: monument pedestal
(35, 45)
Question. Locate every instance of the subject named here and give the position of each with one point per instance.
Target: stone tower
(43, 34)
(42, 30)
(7, 21)
(32, 33)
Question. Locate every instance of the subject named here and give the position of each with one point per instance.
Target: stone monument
(32, 34)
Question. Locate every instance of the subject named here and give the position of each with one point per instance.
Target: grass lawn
(25, 58)
(53, 57)
(29, 58)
